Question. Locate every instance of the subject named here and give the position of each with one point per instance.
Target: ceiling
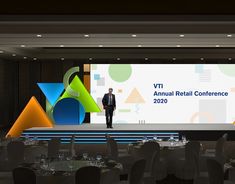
(117, 7)
(125, 46)
(117, 40)
(85, 37)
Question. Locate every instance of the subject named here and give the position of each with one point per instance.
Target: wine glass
(99, 157)
(155, 138)
(71, 166)
(69, 158)
(60, 156)
(171, 137)
(85, 156)
(145, 139)
(52, 169)
(184, 139)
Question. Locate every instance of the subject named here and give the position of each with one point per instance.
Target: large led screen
(166, 93)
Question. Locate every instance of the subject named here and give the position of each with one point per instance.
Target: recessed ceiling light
(174, 59)
(229, 35)
(181, 35)
(217, 46)
(146, 58)
(178, 45)
(90, 58)
(202, 59)
(39, 35)
(34, 59)
(100, 45)
(139, 45)
(134, 35)
(61, 45)
(118, 59)
(25, 57)
(86, 35)
(229, 59)
(62, 59)
(22, 46)
(1, 51)
(13, 55)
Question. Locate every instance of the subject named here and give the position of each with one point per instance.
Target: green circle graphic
(120, 72)
(228, 70)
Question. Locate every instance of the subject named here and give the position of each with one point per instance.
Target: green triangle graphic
(84, 97)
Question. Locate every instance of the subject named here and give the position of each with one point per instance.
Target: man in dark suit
(109, 104)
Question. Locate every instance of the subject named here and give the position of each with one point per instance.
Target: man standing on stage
(109, 104)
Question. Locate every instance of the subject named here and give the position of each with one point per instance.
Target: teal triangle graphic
(52, 91)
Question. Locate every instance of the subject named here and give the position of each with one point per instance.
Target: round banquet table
(64, 172)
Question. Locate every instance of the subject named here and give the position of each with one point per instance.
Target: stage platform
(129, 133)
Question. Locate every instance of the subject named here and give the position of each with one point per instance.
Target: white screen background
(182, 77)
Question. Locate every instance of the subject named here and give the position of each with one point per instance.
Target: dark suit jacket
(105, 100)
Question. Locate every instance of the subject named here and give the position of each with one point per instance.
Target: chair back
(225, 136)
(219, 148)
(196, 156)
(112, 148)
(192, 149)
(155, 161)
(53, 148)
(146, 151)
(215, 172)
(15, 152)
(88, 175)
(22, 175)
(137, 172)
(72, 146)
(112, 176)
(196, 146)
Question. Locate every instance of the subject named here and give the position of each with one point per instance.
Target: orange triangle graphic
(33, 115)
(135, 97)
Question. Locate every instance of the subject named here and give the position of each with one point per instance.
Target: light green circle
(227, 69)
(120, 72)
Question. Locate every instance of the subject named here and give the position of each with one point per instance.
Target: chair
(216, 173)
(219, 149)
(201, 177)
(72, 146)
(6, 177)
(87, 175)
(218, 152)
(110, 177)
(53, 148)
(125, 159)
(136, 174)
(158, 169)
(23, 175)
(187, 167)
(146, 151)
(15, 153)
(69, 149)
(112, 148)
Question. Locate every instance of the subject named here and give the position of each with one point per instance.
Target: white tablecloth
(67, 170)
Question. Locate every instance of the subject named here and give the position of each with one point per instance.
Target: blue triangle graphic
(52, 91)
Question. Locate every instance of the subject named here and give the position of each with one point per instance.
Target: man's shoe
(111, 127)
